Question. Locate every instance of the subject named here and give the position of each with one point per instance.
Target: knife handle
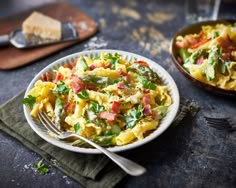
(4, 40)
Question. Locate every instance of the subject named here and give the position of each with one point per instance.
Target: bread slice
(42, 26)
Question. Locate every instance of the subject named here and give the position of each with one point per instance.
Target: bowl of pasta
(205, 53)
(117, 99)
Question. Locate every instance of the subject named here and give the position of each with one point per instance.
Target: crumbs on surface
(150, 39)
(160, 17)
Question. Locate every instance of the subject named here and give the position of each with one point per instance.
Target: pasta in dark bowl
(205, 53)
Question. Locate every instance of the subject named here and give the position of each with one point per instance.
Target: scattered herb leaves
(95, 107)
(76, 127)
(29, 100)
(62, 89)
(133, 117)
(41, 167)
(146, 83)
(59, 102)
(83, 95)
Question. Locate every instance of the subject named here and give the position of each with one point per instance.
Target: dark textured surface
(189, 155)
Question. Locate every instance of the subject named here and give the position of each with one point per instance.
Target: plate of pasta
(119, 100)
(205, 53)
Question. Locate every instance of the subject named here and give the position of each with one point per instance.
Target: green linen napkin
(89, 170)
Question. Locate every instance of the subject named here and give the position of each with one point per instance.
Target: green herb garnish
(95, 107)
(83, 95)
(59, 102)
(29, 100)
(216, 34)
(62, 89)
(146, 83)
(41, 168)
(133, 117)
(76, 127)
(114, 58)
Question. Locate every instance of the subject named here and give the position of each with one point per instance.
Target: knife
(18, 39)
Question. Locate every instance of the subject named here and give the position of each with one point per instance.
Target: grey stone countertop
(189, 155)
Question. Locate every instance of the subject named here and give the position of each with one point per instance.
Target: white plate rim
(164, 124)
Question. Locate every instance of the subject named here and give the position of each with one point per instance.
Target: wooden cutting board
(11, 57)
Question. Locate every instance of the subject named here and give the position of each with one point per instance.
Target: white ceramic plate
(164, 124)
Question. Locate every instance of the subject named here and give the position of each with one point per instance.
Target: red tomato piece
(143, 63)
(203, 41)
(115, 107)
(58, 77)
(69, 107)
(92, 67)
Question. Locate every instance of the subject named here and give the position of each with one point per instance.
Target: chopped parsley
(133, 117)
(76, 127)
(41, 168)
(62, 89)
(59, 102)
(114, 58)
(83, 95)
(95, 107)
(216, 34)
(29, 100)
(146, 83)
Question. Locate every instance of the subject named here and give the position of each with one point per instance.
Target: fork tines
(47, 122)
(220, 123)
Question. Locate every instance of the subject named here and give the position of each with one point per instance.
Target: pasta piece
(125, 137)
(143, 126)
(104, 73)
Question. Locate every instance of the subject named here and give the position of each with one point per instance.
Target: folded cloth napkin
(89, 170)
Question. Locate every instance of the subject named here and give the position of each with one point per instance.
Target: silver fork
(221, 123)
(128, 166)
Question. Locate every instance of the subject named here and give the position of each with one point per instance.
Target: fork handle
(4, 40)
(127, 165)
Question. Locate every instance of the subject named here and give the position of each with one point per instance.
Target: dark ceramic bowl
(191, 29)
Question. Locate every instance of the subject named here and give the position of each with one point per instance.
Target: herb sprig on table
(41, 167)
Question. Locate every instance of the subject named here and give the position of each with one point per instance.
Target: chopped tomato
(69, 107)
(121, 85)
(92, 67)
(115, 107)
(203, 41)
(58, 77)
(109, 116)
(143, 63)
